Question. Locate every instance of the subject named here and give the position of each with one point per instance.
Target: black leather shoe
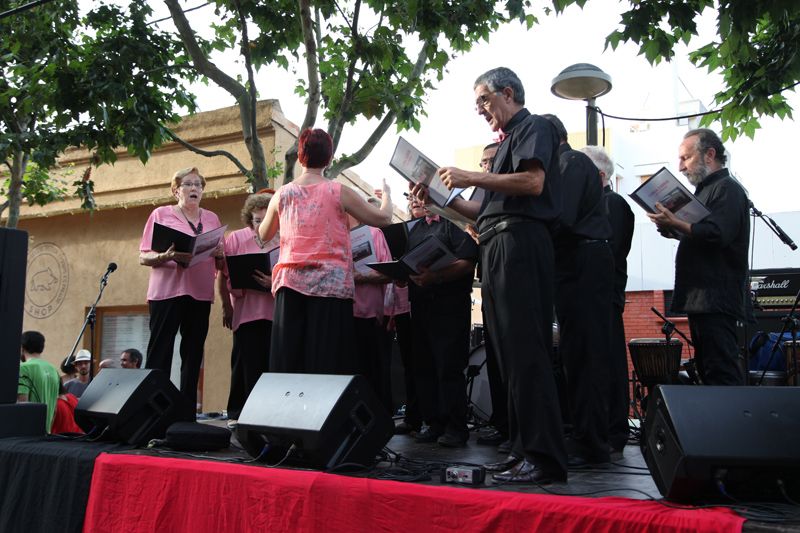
(509, 462)
(428, 434)
(504, 447)
(491, 438)
(579, 461)
(526, 472)
(452, 440)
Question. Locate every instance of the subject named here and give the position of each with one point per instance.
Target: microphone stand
(90, 319)
(771, 224)
(668, 328)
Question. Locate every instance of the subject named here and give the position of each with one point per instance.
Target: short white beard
(697, 177)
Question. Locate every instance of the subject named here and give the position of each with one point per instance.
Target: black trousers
(402, 325)
(440, 340)
(249, 359)
(190, 317)
(517, 292)
(584, 286)
(312, 335)
(374, 359)
(619, 395)
(497, 389)
(715, 349)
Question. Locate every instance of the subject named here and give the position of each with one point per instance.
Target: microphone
(112, 267)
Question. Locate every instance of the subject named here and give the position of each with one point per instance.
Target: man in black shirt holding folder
(584, 283)
(711, 262)
(522, 202)
(440, 323)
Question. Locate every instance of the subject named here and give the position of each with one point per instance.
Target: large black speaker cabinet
(13, 261)
(330, 420)
(132, 406)
(704, 443)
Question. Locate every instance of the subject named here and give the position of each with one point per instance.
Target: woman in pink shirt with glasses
(180, 297)
(312, 329)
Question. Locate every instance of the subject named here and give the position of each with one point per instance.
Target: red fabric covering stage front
(132, 493)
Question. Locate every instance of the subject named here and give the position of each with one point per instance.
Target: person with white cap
(83, 364)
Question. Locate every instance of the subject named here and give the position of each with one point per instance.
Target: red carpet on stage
(131, 493)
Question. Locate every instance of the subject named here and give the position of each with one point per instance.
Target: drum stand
(475, 414)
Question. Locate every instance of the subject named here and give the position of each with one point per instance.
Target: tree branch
(247, 108)
(362, 153)
(209, 153)
(336, 123)
(312, 65)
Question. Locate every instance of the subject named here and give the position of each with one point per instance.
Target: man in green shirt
(38, 379)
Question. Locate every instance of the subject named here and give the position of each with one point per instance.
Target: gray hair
(601, 160)
(499, 78)
(707, 139)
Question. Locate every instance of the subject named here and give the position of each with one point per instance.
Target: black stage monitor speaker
(13, 262)
(705, 443)
(330, 420)
(131, 405)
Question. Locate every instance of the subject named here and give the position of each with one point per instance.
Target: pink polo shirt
(248, 304)
(316, 257)
(170, 280)
(368, 301)
(396, 301)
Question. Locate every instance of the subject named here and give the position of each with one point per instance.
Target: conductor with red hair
(312, 329)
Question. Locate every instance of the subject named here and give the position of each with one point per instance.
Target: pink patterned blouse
(316, 257)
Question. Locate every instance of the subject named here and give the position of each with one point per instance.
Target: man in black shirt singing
(522, 202)
(584, 282)
(711, 262)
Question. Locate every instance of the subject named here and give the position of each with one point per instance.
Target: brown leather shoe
(525, 472)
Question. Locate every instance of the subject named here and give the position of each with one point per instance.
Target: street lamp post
(583, 81)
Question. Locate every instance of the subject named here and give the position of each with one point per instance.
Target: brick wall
(642, 323)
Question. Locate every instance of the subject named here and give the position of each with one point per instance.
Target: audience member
(64, 418)
(38, 379)
(130, 358)
(83, 365)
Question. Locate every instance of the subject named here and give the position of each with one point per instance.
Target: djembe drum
(655, 362)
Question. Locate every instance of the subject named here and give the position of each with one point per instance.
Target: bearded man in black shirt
(711, 262)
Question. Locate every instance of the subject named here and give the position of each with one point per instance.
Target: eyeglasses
(190, 184)
(483, 99)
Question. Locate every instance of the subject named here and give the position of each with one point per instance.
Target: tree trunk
(18, 165)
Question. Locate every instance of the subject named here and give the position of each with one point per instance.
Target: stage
(116, 489)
